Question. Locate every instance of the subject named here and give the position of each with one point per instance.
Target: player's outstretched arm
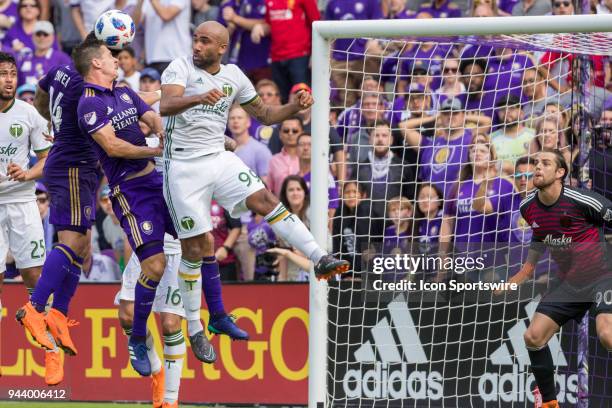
(269, 115)
(153, 121)
(115, 147)
(173, 101)
(41, 103)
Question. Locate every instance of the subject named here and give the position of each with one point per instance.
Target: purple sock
(63, 295)
(143, 302)
(211, 284)
(54, 271)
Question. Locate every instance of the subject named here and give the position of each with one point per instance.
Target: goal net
(436, 135)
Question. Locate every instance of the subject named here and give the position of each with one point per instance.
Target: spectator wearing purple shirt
(423, 65)
(9, 14)
(441, 9)
(348, 63)
(19, 37)
(253, 153)
(451, 86)
(473, 77)
(304, 155)
(472, 231)
(260, 239)
(398, 235)
(257, 157)
(240, 16)
(269, 93)
(444, 148)
(33, 66)
(429, 215)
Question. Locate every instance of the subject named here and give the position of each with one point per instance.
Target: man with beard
(197, 93)
(567, 221)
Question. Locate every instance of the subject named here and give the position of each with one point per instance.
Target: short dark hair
(481, 62)
(559, 160)
(523, 160)
(85, 52)
(295, 117)
(129, 50)
(7, 58)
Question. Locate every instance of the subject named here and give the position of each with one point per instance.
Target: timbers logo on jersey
(227, 90)
(16, 130)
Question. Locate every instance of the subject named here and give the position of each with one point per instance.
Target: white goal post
(325, 31)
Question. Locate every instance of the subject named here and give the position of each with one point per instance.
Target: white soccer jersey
(21, 129)
(200, 130)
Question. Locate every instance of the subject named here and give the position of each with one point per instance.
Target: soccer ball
(115, 28)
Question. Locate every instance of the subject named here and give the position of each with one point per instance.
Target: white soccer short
(168, 294)
(191, 184)
(22, 233)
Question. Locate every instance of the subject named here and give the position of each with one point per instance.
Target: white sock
(290, 228)
(190, 283)
(174, 354)
(156, 364)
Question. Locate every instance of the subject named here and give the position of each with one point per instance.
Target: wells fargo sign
(270, 368)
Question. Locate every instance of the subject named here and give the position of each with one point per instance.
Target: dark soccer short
(72, 191)
(140, 207)
(555, 303)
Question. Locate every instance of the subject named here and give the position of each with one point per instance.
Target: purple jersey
(447, 9)
(507, 5)
(405, 14)
(430, 59)
(392, 240)
(70, 146)
(505, 74)
(33, 67)
(243, 52)
(351, 121)
(16, 32)
(470, 225)
(332, 190)
(120, 107)
(440, 159)
(429, 228)
(351, 49)
(12, 13)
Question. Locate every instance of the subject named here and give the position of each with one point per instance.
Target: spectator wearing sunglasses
(287, 161)
(33, 66)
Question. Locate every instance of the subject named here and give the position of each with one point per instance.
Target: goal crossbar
(322, 33)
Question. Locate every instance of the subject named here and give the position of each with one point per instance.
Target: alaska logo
(16, 130)
(560, 242)
(187, 223)
(227, 90)
(9, 150)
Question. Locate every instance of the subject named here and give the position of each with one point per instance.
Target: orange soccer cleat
(157, 386)
(550, 404)
(170, 404)
(35, 324)
(54, 369)
(58, 325)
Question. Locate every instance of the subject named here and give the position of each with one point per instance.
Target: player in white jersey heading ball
(197, 93)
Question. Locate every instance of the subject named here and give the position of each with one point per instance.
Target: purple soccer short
(72, 193)
(141, 209)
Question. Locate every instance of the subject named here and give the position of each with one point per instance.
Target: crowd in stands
(431, 143)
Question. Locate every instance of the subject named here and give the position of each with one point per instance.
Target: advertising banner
(271, 368)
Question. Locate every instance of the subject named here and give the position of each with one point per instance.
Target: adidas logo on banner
(389, 376)
(502, 355)
(387, 371)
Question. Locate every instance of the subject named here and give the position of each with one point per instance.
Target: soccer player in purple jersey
(568, 221)
(110, 115)
(71, 177)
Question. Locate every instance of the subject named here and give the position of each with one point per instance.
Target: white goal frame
(322, 33)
